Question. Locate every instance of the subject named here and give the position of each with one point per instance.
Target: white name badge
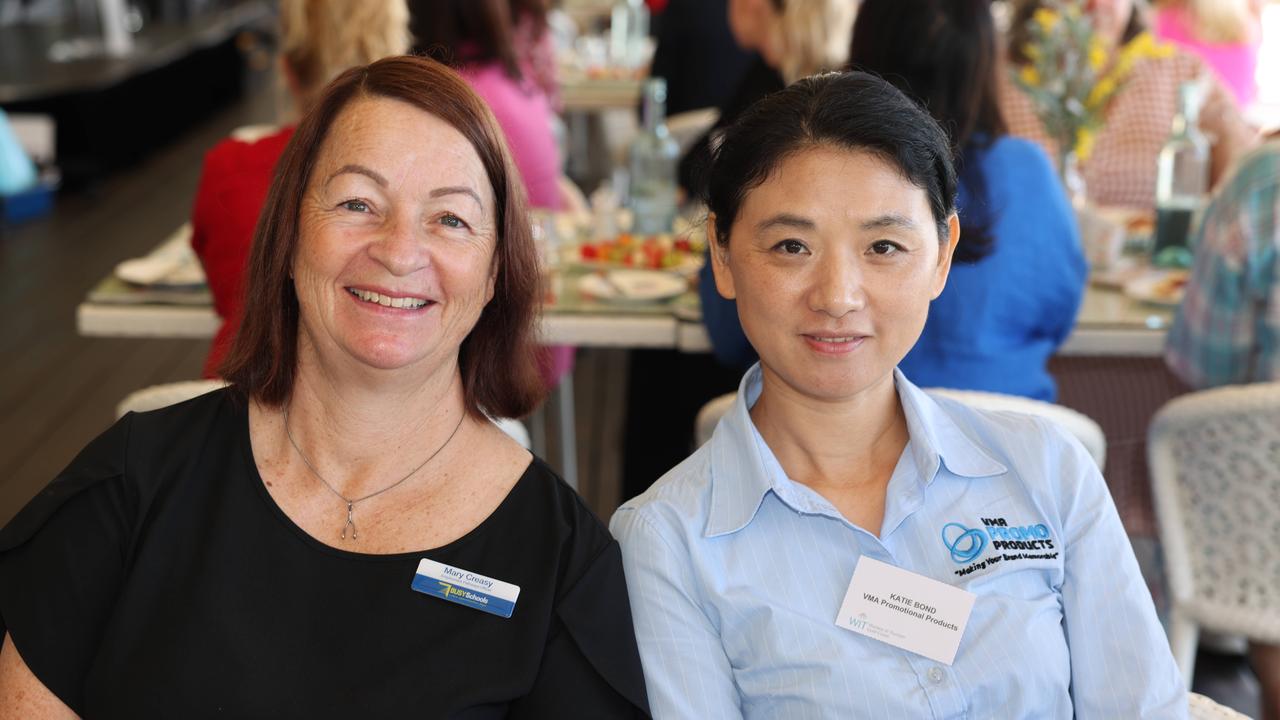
(465, 588)
(906, 610)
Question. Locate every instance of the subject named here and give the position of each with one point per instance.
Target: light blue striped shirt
(736, 575)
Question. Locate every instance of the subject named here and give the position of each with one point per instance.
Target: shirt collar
(743, 469)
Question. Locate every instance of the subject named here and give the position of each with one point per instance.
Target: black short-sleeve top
(156, 577)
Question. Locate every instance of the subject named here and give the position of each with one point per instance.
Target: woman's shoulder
(1036, 441)
(130, 460)
(560, 506)
(680, 498)
(1018, 149)
(249, 144)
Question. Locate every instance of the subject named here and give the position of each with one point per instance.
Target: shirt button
(935, 675)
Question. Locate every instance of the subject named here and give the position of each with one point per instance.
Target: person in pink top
(1226, 34)
(478, 39)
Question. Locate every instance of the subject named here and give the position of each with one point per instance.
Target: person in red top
(319, 39)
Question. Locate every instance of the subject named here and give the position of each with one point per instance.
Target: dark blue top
(999, 320)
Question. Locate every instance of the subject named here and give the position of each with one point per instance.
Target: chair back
(1083, 427)
(1215, 476)
(1204, 708)
(158, 396)
(709, 416)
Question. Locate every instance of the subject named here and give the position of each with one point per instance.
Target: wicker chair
(1203, 708)
(1215, 473)
(1078, 424)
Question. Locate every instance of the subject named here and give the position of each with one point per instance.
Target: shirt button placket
(936, 675)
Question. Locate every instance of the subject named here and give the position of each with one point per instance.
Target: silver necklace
(351, 502)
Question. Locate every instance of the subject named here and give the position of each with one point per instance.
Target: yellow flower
(1029, 76)
(1162, 50)
(1101, 92)
(1084, 143)
(1046, 18)
(1097, 53)
(1031, 52)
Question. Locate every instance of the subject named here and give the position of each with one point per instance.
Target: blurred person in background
(791, 39)
(1226, 34)
(1019, 270)
(1227, 328)
(697, 55)
(318, 40)
(535, 48)
(478, 38)
(342, 532)
(1121, 169)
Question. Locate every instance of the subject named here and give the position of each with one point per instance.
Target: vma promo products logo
(966, 544)
(963, 543)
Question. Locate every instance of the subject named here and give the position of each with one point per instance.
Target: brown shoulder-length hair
(497, 359)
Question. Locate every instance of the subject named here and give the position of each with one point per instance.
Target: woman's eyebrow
(457, 190)
(786, 220)
(358, 170)
(894, 220)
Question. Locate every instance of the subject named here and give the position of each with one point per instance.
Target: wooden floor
(57, 389)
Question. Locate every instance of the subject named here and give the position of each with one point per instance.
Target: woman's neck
(845, 445)
(375, 426)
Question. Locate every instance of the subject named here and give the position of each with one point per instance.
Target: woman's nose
(837, 288)
(402, 247)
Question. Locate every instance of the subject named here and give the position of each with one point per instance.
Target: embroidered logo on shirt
(965, 544)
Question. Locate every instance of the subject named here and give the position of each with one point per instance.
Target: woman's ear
(719, 253)
(946, 251)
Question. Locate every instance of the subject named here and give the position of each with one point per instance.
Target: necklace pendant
(351, 523)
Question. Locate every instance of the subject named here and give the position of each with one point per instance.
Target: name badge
(465, 588)
(906, 610)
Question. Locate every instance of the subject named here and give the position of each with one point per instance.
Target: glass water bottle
(654, 160)
(1182, 181)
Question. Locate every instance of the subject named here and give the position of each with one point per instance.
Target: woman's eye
(791, 247)
(359, 206)
(453, 221)
(885, 247)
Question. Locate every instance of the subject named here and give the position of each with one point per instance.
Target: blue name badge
(465, 588)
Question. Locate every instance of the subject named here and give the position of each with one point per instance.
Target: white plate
(632, 285)
(172, 264)
(1157, 287)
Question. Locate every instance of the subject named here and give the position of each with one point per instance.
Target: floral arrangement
(1070, 76)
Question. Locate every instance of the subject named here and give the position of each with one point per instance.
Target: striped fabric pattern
(736, 574)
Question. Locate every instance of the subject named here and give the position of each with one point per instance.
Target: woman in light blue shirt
(833, 222)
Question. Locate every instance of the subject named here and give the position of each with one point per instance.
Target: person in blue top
(1019, 269)
(847, 545)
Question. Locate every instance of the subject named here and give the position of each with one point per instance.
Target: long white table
(1109, 324)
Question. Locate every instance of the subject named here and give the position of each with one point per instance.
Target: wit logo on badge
(465, 588)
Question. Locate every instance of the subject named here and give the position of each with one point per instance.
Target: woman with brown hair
(318, 40)
(342, 532)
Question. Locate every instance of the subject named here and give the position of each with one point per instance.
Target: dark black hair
(849, 110)
(943, 53)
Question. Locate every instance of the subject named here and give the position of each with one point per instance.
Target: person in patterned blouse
(1121, 170)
